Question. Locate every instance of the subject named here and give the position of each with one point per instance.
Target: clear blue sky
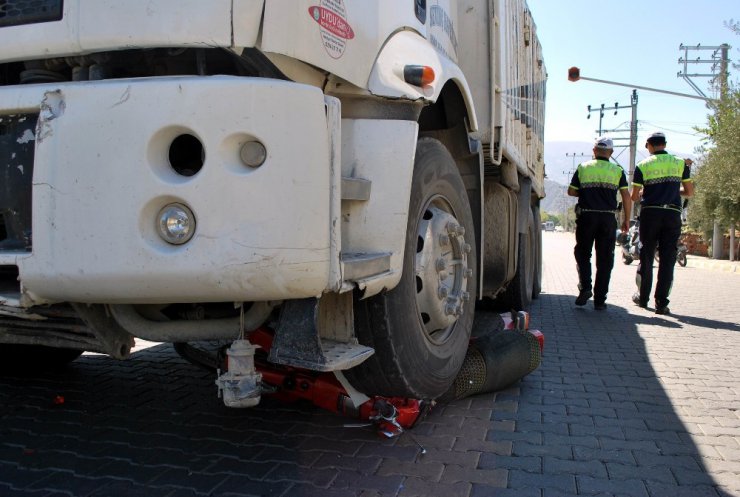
(634, 42)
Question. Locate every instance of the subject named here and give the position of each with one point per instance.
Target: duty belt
(597, 210)
(672, 207)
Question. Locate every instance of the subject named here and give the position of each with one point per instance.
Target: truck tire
(537, 225)
(16, 357)
(420, 329)
(518, 295)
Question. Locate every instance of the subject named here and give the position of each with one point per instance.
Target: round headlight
(176, 224)
(253, 154)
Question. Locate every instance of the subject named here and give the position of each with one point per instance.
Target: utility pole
(719, 60)
(573, 167)
(633, 136)
(633, 127)
(601, 110)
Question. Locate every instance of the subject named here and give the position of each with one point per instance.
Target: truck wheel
(420, 329)
(537, 225)
(518, 295)
(14, 357)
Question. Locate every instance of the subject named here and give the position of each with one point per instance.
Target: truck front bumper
(102, 172)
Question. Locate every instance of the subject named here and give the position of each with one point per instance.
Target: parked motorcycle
(630, 242)
(681, 251)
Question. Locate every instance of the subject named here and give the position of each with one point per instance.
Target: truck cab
(352, 175)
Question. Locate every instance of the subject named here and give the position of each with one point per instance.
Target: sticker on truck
(331, 16)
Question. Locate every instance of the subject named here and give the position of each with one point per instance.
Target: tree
(718, 179)
(555, 218)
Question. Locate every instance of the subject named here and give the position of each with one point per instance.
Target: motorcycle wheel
(681, 259)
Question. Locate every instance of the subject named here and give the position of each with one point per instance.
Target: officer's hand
(624, 227)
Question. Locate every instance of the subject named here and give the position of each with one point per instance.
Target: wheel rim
(441, 270)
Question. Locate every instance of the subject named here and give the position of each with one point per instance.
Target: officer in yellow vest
(596, 183)
(659, 182)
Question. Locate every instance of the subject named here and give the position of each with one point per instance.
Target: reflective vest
(660, 168)
(599, 173)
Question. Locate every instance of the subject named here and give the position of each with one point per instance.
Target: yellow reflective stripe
(661, 166)
(599, 173)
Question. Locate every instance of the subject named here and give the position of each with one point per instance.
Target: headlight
(253, 154)
(176, 224)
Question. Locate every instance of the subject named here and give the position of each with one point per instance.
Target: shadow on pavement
(609, 412)
(707, 323)
(152, 425)
(615, 407)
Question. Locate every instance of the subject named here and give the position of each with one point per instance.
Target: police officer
(596, 183)
(659, 182)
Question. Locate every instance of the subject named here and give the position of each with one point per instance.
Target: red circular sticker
(331, 16)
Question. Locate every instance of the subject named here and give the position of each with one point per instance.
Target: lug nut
(465, 297)
(444, 239)
(468, 273)
(467, 248)
(441, 265)
(460, 230)
(452, 227)
(443, 292)
(450, 309)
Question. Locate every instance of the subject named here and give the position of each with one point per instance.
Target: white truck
(355, 175)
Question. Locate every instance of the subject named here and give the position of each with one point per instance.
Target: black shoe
(583, 297)
(637, 301)
(662, 310)
(601, 306)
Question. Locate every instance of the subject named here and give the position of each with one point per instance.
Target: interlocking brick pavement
(625, 403)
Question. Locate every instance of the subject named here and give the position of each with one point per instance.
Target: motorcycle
(681, 251)
(630, 242)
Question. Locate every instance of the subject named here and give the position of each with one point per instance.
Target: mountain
(561, 159)
(556, 199)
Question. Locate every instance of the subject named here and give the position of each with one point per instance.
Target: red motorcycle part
(391, 415)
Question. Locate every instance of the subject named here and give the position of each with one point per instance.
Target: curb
(715, 265)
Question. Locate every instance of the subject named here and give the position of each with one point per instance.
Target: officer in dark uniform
(596, 183)
(659, 182)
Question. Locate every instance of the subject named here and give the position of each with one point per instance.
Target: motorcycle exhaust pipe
(497, 358)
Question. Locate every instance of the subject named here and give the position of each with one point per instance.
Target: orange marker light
(418, 75)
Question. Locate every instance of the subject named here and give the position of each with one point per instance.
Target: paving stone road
(625, 403)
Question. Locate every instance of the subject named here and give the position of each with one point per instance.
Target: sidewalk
(714, 264)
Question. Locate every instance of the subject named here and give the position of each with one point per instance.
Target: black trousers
(658, 228)
(595, 229)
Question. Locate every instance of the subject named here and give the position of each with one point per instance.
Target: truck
(355, 176)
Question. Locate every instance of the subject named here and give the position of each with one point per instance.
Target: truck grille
(17, 139)
(17, 12)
